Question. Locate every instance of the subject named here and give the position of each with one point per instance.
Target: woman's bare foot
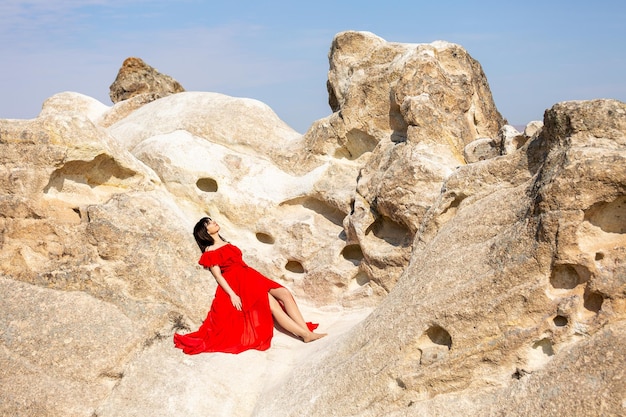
(313, 336)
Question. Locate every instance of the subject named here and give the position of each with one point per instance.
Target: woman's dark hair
(203, 238)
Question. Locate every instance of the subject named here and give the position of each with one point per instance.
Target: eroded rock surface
(136, 78)
(403, 114)
(515, 287)
(492, 260)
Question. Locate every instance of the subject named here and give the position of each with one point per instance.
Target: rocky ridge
(489, 262)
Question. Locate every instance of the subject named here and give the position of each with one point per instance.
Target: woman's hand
(234, 298)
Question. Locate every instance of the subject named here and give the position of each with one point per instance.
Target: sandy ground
(163, 381)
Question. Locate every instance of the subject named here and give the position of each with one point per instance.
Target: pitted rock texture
(516, 286)
(136, 78)
(460, 267)
(404, 114)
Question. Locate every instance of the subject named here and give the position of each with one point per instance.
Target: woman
(245, 301)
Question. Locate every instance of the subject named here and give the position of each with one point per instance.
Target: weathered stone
(404, 114)
(69, 102)
(498, 285)
(510, 139)
(481, 149)
(533, 128)
(241, 124)
(521, 268)
(381, 88)
(63, 351)
(135, 77)
(123, 108)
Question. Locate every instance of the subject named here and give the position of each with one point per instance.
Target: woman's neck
(217, 240)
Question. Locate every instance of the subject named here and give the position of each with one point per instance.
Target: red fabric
(226, 329)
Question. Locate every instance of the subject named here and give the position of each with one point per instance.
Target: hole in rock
(400, 383)
(545, 346)
(398, 137)
(208, 185)
(265, 238)
(322, 208)
(102, 170)
(565, 277)
(560, 321)
(608, 216)
(362, 278)
(439, 336)
(593, 301)
(295, 267)
(519, 373)
(356, 144)
(391, 232)
(353, 253)
(457, 201)
(599, 256)
(396, 121)
(451, 210)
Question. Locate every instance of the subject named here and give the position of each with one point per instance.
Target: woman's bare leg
(284, 295)
(289, 324)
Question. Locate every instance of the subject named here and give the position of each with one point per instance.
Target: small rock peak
(133, 62)
(135, 78)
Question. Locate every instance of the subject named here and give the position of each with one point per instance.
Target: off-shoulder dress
(225, 328)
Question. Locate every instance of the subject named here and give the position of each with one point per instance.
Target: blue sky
(534, 53)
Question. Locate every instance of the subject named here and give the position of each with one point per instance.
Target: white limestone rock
(517, 275)
(246, 125)
(533, 128)
(510, 139)
(403, 115)
(487, 282)
(69, 102)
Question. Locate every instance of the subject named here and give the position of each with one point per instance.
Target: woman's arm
(217, 274)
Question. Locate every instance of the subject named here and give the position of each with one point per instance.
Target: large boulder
(83, 227)
(245, 125)
(513, 298)
(403, 114)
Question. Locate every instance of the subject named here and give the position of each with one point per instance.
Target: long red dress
(225, 328)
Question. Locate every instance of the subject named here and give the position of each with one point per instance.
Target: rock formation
(513, 297)
(403, 113)
(136, 78)
(492, 261)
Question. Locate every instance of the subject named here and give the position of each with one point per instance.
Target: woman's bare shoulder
(216, 247)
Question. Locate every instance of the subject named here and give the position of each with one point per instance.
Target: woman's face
(212, 227)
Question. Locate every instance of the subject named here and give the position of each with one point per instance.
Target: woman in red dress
(245, 302)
